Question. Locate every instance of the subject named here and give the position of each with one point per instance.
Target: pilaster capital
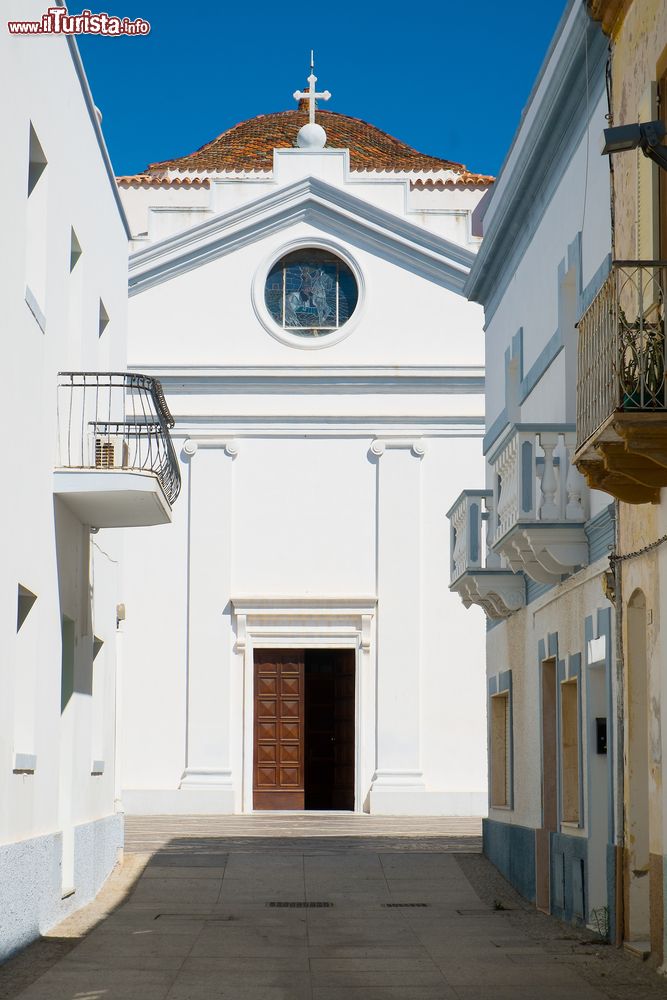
(417, 446)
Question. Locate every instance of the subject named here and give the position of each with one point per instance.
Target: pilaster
(209, 662)
(398, 778)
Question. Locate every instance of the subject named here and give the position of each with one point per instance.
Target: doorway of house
(549, 786)
(304, 729)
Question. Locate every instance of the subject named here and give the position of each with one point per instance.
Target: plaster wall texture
(533, 300)
(300, 507)
(513, 645)
(30, 879)
(52, 793)
(639, 59)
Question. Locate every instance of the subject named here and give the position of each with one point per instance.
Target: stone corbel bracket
(499, 593)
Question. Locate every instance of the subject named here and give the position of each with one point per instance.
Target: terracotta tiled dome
(250, 145)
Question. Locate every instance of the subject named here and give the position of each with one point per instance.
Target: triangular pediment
(313, 201)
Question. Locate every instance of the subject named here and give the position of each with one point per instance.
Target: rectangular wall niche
(570, 749)
(36, 229)
(25, 601)
(500, 749)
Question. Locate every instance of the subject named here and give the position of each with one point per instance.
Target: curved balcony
(115, 465)
(474, 578)
(621, 389)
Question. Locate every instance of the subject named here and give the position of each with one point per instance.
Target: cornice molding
(320, 204)
(542, 145)
(339, 380)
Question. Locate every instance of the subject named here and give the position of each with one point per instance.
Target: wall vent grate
(393, 906)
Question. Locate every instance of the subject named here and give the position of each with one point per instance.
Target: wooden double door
(304, 729)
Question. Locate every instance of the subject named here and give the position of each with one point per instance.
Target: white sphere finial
(311, 136)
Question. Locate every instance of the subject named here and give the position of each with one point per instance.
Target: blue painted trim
(505, 684)
(527, 478)
(576, 84)
(574, 263)
(574, 671)
(517, 352)
(34, 307)
(535, 589)
(600, 532)
(569, 853)
(511, 848)
(497, 685)
(594, 285)
(546, 651)
(545, 359)
(473, 533)
(495, 430)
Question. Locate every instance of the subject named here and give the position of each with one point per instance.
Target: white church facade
(292, 643)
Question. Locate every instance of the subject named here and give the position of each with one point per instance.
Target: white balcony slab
(112, 498)
(477, 575)
(544, 551)
(498, 592)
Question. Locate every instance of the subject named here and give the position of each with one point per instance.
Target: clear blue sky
(450, 78)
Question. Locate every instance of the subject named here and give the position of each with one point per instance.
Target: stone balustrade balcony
(621, 391)
(539, 504)
(476, 574)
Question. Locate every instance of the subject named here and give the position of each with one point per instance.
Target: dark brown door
(662, 98)
(279, 729)
(329, 685)
(343, 786)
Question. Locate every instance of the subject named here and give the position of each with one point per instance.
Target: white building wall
(543, 263)
(52, 794)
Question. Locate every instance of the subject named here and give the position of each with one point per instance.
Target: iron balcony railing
(621, 362)
(116, 420)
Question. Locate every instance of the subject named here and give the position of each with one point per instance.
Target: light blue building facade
(531, 546)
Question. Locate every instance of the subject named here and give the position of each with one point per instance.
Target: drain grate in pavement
(308, 906)
(393, 906)
(483, 911)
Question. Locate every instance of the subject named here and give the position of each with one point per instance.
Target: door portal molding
(312, 622)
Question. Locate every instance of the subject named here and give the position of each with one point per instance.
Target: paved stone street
(212, 908)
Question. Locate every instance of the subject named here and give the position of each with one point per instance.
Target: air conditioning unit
(109, 451)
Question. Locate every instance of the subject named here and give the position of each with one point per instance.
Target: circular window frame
(307, 343)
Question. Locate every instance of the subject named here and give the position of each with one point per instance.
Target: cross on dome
(311, 94)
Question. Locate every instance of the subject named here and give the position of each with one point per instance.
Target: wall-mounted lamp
(646, 136)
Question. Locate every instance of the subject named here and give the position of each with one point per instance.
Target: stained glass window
(310, 293)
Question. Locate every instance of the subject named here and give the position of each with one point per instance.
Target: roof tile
(250, 144)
